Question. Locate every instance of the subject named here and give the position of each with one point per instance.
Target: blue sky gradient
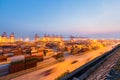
(61, 17)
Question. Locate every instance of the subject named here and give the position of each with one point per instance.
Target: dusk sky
(61, 17)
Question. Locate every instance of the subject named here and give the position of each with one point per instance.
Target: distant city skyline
(91, 18)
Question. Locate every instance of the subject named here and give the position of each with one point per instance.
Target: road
(71, 63)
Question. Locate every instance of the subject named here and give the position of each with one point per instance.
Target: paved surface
(101, 72)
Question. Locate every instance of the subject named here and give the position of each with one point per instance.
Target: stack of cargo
(39, 57)
(58, 55)
(3, 58)
(8, 54)
(38, 54)
(16, 52)
(17, 63)
(30, 61)
(4, 66)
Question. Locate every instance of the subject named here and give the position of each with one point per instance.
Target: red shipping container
(17, 66)
(30, 61)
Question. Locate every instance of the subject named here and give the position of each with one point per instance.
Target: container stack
(17, 63)
(8, 54)
(3, 58)
(39, 57)
(30, 61)
(4, 66)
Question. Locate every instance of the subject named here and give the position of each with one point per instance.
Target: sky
(60, 17)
